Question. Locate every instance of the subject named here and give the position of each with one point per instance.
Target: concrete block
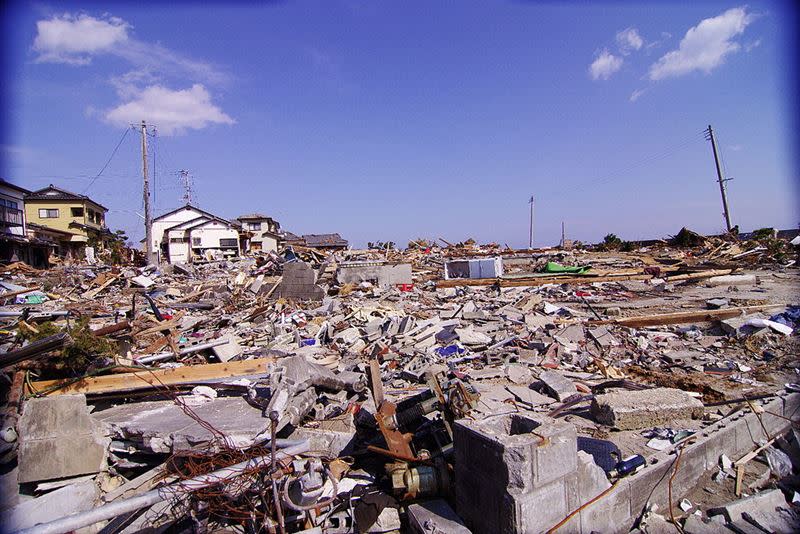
(435, 516)
(58, 439)
(508, 466)
(299, 282)
(539, 510)
(767, 501)
(557, 385)
(633, 410)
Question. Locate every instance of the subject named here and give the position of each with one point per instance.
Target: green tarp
(557, 268)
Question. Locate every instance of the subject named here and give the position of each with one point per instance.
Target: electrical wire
(113, 153)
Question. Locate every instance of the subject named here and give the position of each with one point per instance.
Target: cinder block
(541, 509)
(511, 470)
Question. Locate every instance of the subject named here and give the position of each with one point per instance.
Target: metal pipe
(182, 352)
(116, 508)
(36, 349)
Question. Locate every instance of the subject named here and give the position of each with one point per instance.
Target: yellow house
(66, 211)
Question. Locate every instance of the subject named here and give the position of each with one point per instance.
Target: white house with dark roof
(188, 233)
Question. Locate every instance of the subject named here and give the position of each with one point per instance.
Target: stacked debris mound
(363, 390)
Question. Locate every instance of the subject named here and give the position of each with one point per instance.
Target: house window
(48, 214)
(255, 226)
(179, 239)
(227, 243)
(77, 212)
(8, 203)
(196, 241)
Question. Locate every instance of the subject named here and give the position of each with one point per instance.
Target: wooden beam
(547, 278)
(695, 316)
(538, 281)
(152, 379)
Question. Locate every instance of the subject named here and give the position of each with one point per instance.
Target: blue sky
(397, 120)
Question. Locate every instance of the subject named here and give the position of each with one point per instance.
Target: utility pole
(148, 221)
(530, 234)
(563, 235)
(720, 179)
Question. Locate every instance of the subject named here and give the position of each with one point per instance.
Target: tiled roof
(324, 240)
(52, 192)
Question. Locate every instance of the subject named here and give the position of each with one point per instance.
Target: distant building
(325, 242)
(259, 232)
(77, 215)
(188, 234)
(14, 245)
(330, 242)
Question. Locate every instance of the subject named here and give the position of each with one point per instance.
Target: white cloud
(74, 39)
(605, 65)
(172, 111)
(705, 46)
(636, 94)
(629, 40)
(751, 45)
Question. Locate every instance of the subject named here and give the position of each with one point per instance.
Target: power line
(669, 151)
(113, 153)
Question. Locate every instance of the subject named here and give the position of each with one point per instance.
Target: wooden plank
(539, 281)
(697, 316)
(153, 379)
(588, 278)
(9, 294)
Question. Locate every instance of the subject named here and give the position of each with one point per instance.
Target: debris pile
(436, 389)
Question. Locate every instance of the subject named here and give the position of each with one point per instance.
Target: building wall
(210, 235)
(13, 195)
(65, 217)
(159, 226)
(269, 243)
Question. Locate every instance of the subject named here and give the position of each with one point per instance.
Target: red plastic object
(405, 287)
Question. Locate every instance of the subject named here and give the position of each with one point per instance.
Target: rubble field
(462, 388)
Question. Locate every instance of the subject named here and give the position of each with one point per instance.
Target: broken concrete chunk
(715, 304)
(557, 385)
(76, 497)
(603, 337)
(142, 281)
(59, 439)
(632, 410)
(435, 516)
(519, 374)
(768, 501)
(469, 336)
(229, 350)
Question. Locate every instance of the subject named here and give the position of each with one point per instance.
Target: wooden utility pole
(530, 235)
(720, 179)
(563, 234)
(148, 221)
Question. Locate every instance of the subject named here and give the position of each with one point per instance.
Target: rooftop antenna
(186, 181)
